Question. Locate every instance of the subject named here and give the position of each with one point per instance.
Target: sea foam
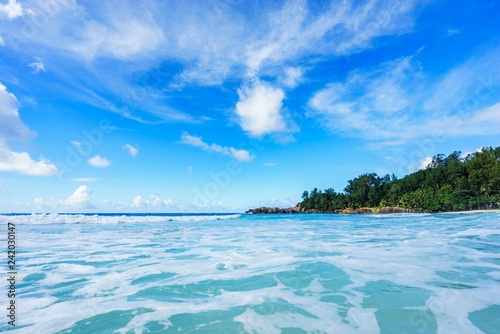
(258, 273)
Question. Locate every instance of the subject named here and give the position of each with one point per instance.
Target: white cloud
(398, 102)
(292, 76)
(12, 128)
(153, 202)
(422, 164)
(132, 150)
(240, 155)
(79, 200)
(270, 164)
(37, 67)
(466, 154)
(11, 125)
(99, 161)
(86, 179)
(452, 31)
(11, 10)
(211, 43)
(195, 141)
(122, 39)
(137, 202)
(2, 42)
(340, 28)
(259, 109)
(189, 170)
(22, 163)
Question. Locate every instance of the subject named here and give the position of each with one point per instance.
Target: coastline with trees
(450, 183)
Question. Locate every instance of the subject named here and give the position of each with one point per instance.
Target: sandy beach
(470, 212)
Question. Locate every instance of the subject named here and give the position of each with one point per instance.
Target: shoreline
(383, 210)
(472, 212)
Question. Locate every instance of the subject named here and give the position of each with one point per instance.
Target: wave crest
(54, 218)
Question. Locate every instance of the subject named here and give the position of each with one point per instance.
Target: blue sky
(218, 106)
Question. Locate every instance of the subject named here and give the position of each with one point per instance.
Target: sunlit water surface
(257, 273)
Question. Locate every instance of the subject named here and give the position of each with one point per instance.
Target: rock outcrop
(295, 209)
(348, 211)
(366, 210)
(396, 209)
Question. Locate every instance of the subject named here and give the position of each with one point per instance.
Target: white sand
(473, 212)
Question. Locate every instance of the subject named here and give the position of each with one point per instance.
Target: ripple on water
(104, 323)
(487, 320)
(393, 303)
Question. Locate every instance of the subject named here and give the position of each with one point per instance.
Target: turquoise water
(257, 273)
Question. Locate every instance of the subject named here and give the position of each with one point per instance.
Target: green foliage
(448, 183)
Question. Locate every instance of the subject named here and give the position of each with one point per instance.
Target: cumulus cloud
(79, 200)
(12, 128)
(422, 164)
(259, 109)
(11, 10)
(22, 163)
(132, 150)
(98, 161)
(37, 67)
(240, 155)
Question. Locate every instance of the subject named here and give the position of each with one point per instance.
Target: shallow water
(257, 273)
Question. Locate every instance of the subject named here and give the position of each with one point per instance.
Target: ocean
(232, 273)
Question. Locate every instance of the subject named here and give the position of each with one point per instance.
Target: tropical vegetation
(448, 183)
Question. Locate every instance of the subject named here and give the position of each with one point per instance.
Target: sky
(221, 106)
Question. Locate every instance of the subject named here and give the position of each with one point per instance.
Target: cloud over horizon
(78, 200)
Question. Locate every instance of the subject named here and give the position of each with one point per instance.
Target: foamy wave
(54, 218)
